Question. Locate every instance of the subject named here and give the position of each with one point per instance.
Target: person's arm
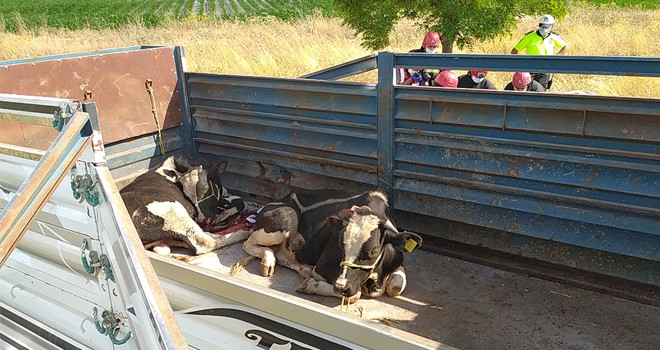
(559, 42)
(403, 78)
(563, 50)
(536, 86)
(520, 45)
(489, 85)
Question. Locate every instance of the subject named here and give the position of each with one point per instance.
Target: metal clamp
(109, 275)
(82, 187)
(93, 263)
(110, 324)
(62, 116)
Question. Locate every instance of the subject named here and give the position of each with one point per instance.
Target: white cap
(547, 19)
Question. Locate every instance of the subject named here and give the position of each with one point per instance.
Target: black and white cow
(167, 203)
(332, 232)
(282, 226)
(216, 203)
(353, 253)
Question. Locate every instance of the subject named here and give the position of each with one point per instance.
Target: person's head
(545, 24)
(431, 42)
(446, 78)
(520, 80)
(478, 75)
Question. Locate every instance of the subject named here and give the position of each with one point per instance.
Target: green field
(74, 14)
(18, 15)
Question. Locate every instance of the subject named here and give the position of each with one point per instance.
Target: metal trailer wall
(566, 178)
(570, 179)
(47, 292)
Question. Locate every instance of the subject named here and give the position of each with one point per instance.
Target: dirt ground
(471, 306)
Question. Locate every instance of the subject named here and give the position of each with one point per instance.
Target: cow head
(194, 183)
(217, 204)
(358, 253)
(394, 246)
(377, 202)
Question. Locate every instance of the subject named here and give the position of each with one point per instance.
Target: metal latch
(107, 269)
(82, 187)
(62, 115)
(111, 325)
(93, 262)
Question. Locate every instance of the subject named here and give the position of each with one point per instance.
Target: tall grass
(273, 47)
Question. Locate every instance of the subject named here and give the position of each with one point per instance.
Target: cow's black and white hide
(215, 202)
(163, 208)
(282, 227)
(354, 254)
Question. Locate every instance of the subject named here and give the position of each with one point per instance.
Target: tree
(458, 21)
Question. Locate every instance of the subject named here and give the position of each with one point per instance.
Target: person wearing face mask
(475, 79)
(542, 41)
(421, 77)
(522, 81)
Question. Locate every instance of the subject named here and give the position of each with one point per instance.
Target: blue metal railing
(582, 170)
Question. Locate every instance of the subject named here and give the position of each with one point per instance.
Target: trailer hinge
(107, 269)
(93, 262)
(111, 325)
(62, 115)
(83, 188)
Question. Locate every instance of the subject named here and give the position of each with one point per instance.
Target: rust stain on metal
(332, 146)
(117, 80)
(513, 172)
(592, 177)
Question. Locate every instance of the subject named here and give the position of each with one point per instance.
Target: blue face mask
(544, 31)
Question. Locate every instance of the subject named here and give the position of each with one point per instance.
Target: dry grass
(275, 48)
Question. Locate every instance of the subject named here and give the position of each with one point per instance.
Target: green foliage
(17, 15)
(644, 4)
(458, 21)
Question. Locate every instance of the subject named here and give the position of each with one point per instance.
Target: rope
(150, 90)
(215, 193)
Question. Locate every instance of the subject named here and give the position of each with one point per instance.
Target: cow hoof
(268, 264)
(162, 249)
(396, 284)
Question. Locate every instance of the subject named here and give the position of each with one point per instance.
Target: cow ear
(181, 164)
(407, 241)
(221, 167)
(412, 241)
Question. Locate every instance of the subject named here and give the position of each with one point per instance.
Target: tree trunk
(447, 44)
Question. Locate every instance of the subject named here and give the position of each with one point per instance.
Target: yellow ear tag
(410, 245)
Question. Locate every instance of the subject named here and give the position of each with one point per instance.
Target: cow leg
(258, 245)
(162, 247)
(178, 225)
(231, 238)
(395, 282)
(287, 258)
(323, 288)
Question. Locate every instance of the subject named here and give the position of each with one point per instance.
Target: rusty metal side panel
(116, 81)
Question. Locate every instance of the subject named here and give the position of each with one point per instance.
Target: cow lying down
(168, 205)
(339, 243)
